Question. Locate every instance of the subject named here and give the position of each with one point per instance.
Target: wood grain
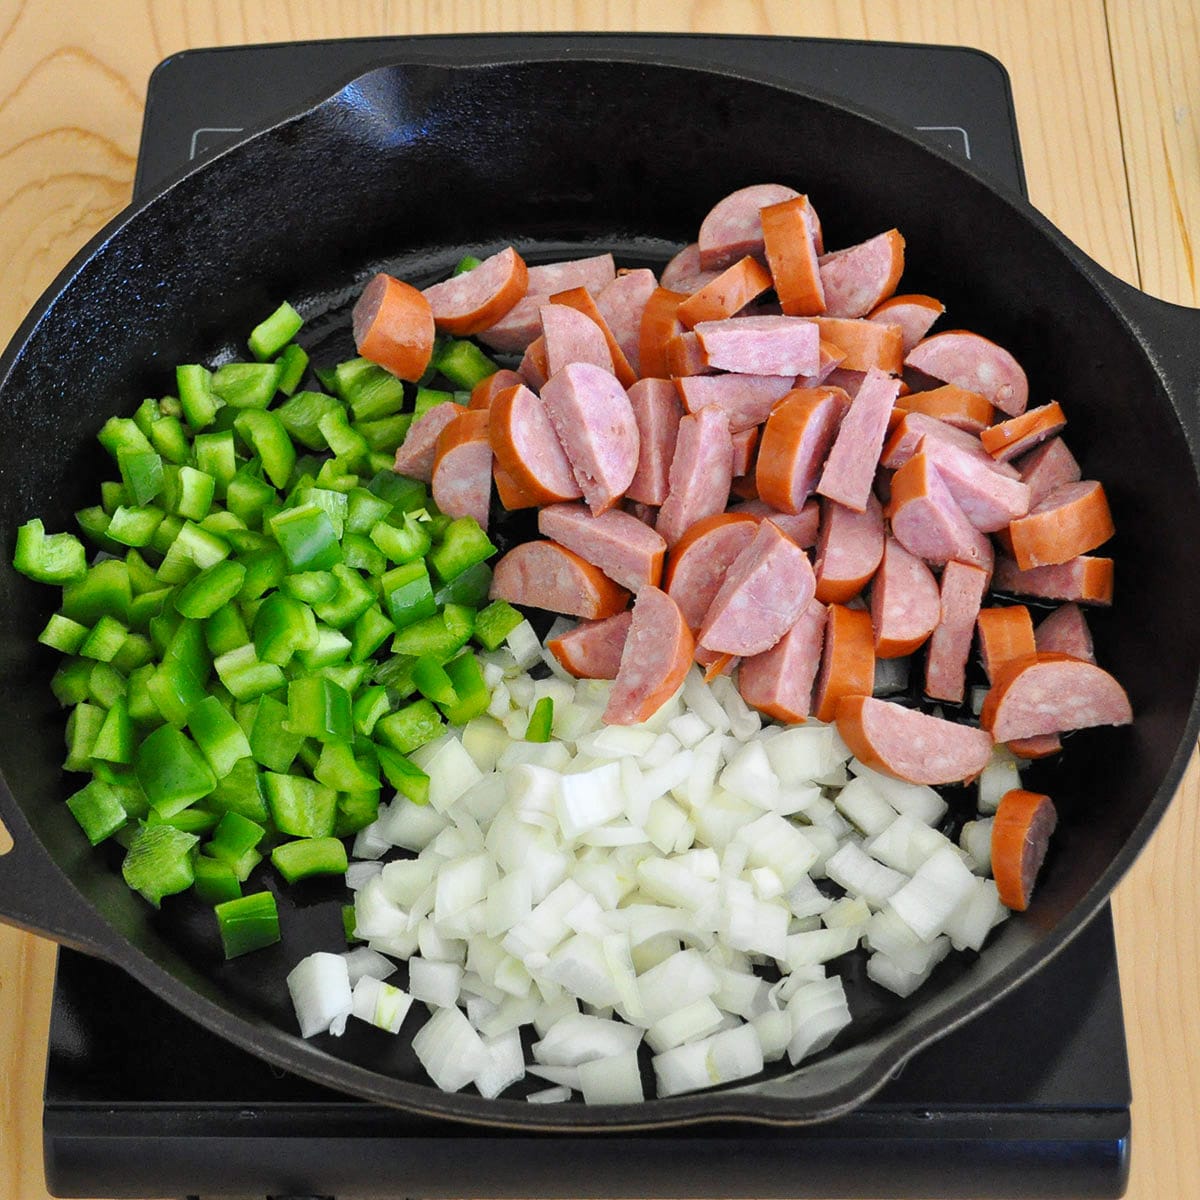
(1106, 99)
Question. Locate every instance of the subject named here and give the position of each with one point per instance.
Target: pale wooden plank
(1156, 60)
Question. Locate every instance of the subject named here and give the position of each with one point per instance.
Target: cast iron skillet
(409, 166)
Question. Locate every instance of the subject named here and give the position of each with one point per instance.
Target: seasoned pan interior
(408, 169)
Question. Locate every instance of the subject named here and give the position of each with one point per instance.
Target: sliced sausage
(1065, 631)
(533, 368)
(1070, 521)
(767, 588)
(595, 424)
(698, 563)
(626, 550)
(520, 325)
(850, 468)
(974, 363)
(622, 305)
(470, 302)
(414, 456)
(956, 406)
(1021, 831)
(486, 390)
(581, 300)
(1086, 580)
(913, 314)
(796, 440)
(849, 550)
(761, 345)
(927, 521)
(660, 323)
(686, 356)
(729, 293)
(684, 272)
(393, 327)
(989, 500)
(528, 450)
(461, 482)
(789, 243)
(1052, 693)
(1036, 747)
(546, 575)
(1014, 437)
(905, 602)
(803, 527)
(701, 472)
(746, 400)
(847, 660)
(911, 745)
(779, 681)
(859, 278)
(905, 437)
(656, 657)
(657, 410)
(962, 592)
(592, 650)
(866, 344)
(510, 493)
(1004, 634)
(745, 442)
(831, 357)
(1046, 468)
(733, 227)
(572, 337)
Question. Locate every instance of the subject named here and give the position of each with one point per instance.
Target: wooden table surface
(1108, 106)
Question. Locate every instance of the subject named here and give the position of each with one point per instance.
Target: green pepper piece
(136, 527)
(248, 923)
(309, 856)
(355, 811)
(94, 522)
(136, 651)
(159, 862)
(408, 594)
(215, 882)
(348, 924)
(168, 436)
(265, 434)
(468, 262)
(470, 588)
(386, 434)
(239, 792)
(245, 676)
(402, 543)
(122, 433)
(114, 742)
(432, 681)
(353, 597)
(495, 623)
(320, 709)
(541, 720)
(369, 390)
(70, 682)
(142, 707)
(218, 735)
(307, 538)
(300, 806)
(338, 768)
(463, 545)
(409, 727)
(247, 496)
(463, 363)
(193, 550)
(225, 630)
(345, 442)
(83, 727)
(265, 569)
(293, 362)
(272, 744)
(332, 647)
(196, 396)
(364, 510)
(395, 674)
(470, 691)
(282, 626)
(141, 473)
(98, 810)
(399, 491)
(49, 558)
(369, 705)
(370, 631)
(440, 635)
(172, 771)
(216, 457)
(271, 335)
(103, 640)
(359, 552)
(246, 386)
(106, 685)
(407, 778)
(301, 417)
(63, 634)
(211, 590)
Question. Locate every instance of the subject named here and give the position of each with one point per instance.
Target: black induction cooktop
(1029, 1100)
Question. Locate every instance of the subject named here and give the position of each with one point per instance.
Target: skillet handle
(35, 895)
(1170, 335)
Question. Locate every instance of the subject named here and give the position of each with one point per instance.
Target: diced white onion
(451, 1052)
(321, 995)
(380, 1004)
(550, 1095)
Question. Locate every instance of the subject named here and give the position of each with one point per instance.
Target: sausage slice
(547, 575)
(592, 650)
(657, 654)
